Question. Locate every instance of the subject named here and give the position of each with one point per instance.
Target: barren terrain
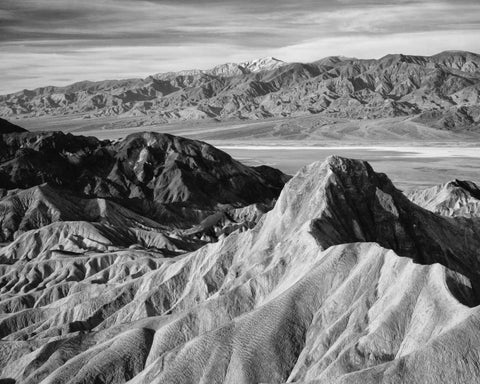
(131, 252)
(439, 91)
(345, 280)
(411, 153)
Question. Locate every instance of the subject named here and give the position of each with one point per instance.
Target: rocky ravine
(344, 281)
(441, 91)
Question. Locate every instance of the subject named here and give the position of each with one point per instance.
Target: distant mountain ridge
(441, 91)
(228, 69)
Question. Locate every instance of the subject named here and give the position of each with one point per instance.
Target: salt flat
(405, 151)
(408, 167)
(413, 154)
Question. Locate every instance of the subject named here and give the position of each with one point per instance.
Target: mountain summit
(263, 64)
(229, 69)
(253, 66)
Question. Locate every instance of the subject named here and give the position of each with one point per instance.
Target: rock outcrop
(151, 166)
(147, 180)
(455, 198)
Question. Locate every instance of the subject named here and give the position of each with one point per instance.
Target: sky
(57, 42)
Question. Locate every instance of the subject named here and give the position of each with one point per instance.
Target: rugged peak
(455, 198)
(346, 201)
(266, 59)
(333, 60)
(155, 167)
(458, 60)
(154, 149)
(456, 53)
(228, 69)
(261, 62)
(401, 58)
(468, 186)
(338, 192)
(252, 66)
(345, 165)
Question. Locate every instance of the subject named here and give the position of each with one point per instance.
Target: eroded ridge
(345, 280)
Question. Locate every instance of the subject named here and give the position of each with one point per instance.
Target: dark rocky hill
(171, 182)
(150, 166)
(7, 127)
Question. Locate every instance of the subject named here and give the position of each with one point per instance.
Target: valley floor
(413, 154)
(408, 167)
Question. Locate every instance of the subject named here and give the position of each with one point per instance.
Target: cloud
(59, 41)
(103, 63)
(371, 46)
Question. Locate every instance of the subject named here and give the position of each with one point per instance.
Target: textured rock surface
(455, 198)
(344, 281)
(150, 166)
(145, 181)
(441, 91)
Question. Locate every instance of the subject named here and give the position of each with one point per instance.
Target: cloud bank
(56, 42)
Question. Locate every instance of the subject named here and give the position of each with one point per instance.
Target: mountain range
(440, 91)
(157, 259)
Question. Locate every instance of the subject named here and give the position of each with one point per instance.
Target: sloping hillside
(344, 281)
(146, 182)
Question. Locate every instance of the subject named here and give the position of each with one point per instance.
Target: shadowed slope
(38, 206)
(7, 127)
(151, 166)
(156, 180)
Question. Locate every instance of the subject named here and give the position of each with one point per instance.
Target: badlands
(160, 259)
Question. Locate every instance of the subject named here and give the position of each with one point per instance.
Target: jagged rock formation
(151, 166)
(229, 69)
(344, 281)
(151, 179)
(32, 208)
(441, 91)
(150, 192)
(455, 198)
